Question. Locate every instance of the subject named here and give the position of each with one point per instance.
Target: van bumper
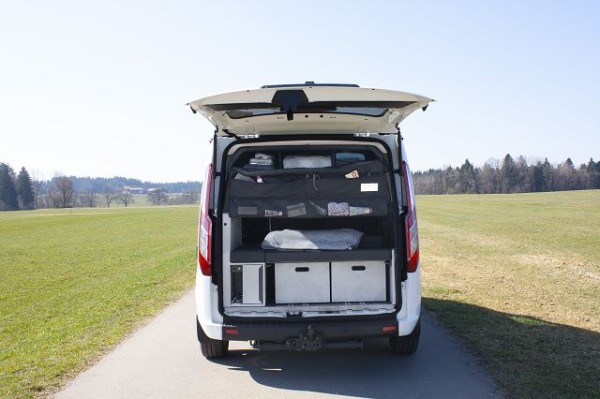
(327, 331)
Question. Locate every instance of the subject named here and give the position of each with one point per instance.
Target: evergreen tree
(468, 178)
(593, 174)
(509, 177)
(8, 194)
(522, 176)
(549, 176)
(25, 190)
(537, 177)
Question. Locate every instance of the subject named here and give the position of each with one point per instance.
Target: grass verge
(74, 282)
(518, 278)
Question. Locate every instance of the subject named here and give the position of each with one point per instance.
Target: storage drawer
(358, 281)
(306, 282)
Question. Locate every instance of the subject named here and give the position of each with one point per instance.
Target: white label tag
(364, 187)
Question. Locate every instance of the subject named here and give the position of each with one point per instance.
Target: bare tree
(489, 178)
(40, 190)
(189, 197)
(566, 176)
(42, 194)
(158, 196)
(110, 194)
(193, 197)
(89, 199)
(62, 194)
(125, 198)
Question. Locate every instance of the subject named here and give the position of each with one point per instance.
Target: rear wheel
(408, 344)
(211, 348)
(214, 350)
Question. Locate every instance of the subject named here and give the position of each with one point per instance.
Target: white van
(308, 228)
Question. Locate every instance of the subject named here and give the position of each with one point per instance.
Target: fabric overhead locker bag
(362, 188)
(248, 197)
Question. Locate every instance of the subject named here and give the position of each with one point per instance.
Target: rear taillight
(412, 230)
(205, 228)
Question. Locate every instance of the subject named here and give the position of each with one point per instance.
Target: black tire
(214, 350)
(408, 344)
(211, 348)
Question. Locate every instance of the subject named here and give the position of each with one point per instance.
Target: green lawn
(74, 282)
(518, 278)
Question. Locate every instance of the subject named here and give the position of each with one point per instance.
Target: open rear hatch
(308, 109)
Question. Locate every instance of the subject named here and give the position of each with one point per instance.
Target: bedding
(332, 239)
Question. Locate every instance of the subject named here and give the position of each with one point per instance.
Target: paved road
(162, 360)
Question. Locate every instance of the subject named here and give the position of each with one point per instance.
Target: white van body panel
(207, 296)
(410, 313)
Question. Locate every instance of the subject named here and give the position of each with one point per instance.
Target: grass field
(74, 282)
(518, 278)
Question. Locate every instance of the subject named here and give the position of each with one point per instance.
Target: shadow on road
(440, 368)
(529, 357)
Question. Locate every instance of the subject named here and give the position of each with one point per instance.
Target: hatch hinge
(230, 134)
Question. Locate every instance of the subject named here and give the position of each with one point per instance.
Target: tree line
(21, 192)
(508, 176)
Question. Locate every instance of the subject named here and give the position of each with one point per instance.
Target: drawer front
(358, 281)
(306, 282)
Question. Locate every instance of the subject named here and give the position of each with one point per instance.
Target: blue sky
(97, 88)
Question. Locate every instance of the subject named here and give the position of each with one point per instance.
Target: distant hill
(101, 184)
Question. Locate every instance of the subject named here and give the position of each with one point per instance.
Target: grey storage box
(248, 284)
(358, 281)
(306, 282)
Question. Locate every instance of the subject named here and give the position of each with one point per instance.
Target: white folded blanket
(309, 161)
(334, 239)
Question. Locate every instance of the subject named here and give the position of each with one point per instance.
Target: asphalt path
(163, 360)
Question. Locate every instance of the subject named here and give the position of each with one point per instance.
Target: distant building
(133, 190)
(157, 190)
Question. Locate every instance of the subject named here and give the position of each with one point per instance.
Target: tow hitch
(311, 341)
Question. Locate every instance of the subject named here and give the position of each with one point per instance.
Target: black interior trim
(250, 254)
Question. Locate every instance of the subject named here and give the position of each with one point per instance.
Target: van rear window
(249, 112)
